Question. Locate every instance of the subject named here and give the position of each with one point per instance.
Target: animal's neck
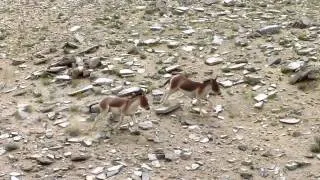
(205, 89)
(133, 103)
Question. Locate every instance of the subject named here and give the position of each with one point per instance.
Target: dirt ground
(44, 132)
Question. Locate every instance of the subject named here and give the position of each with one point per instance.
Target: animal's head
(214, 85)
(143, 99)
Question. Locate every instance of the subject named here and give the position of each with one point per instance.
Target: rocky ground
(57, 57)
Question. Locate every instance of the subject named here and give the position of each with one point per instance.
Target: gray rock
(170, 156)
(103, 81)
(237, 66)
(259, 105)
(44, 161)
(261, 97)
(172, 68)
(111, 171)
(293, 165)
(210, 2)
(145, 125)
(129, 91)
(85, 89)
(252, 79)
(77, 157)
(290, 120)
(145, 175)
(213, 61)
(229, 2)
(306, 51)
(272, 29)
(126, 72)
(11, 147)
(63, 78)
(133, 50)
(226, 83)
(101, 176)
(303, 22)
(173, 44)
(245, 174)
(274, 61)
(217, 40)
(167, 109)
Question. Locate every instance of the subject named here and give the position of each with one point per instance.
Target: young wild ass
(191, 88)
(123, 106)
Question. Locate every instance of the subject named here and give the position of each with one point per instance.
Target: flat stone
(77, 157)
(97, 170)
(188, 48)
(213, 61)
(129, 91)
(172, 68)
(261, 97)
(11, 147)
(272, 29)
(126, 72)
(290, 120)
(259, 105)
(103, 81)
(252, 79)
(94, 62)
(237, 66)
(167, 109)
(188, 31)
(114, 170)
(226, 83)
(85, 89)
(173, 44)
(44, 161)
(145, 125)
(217, 40)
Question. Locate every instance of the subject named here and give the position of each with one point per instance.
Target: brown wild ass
(191, 88)
(123, 106)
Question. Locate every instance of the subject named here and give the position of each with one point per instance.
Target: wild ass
(123, 106)
(191, 88)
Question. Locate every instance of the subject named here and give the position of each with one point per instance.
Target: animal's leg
(201, 107)
(166, 96)
(120, 120)
(134, 119)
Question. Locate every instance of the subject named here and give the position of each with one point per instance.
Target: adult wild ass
(123, 106)
(192, 89)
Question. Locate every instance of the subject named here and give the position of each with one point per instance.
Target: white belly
(115, 110)
(191, 94)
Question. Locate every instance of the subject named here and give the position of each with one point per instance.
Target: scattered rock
(79, 157)
(290, 120)
(213, 61)
(167, 109)
(145, 125)
(272, 29)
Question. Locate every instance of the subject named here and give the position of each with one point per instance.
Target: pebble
(213, 61)
(85, 89)
(103, 81)
(145, 125)
(290, 120)
(79, 157)
(167, 109)
(261, 97)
